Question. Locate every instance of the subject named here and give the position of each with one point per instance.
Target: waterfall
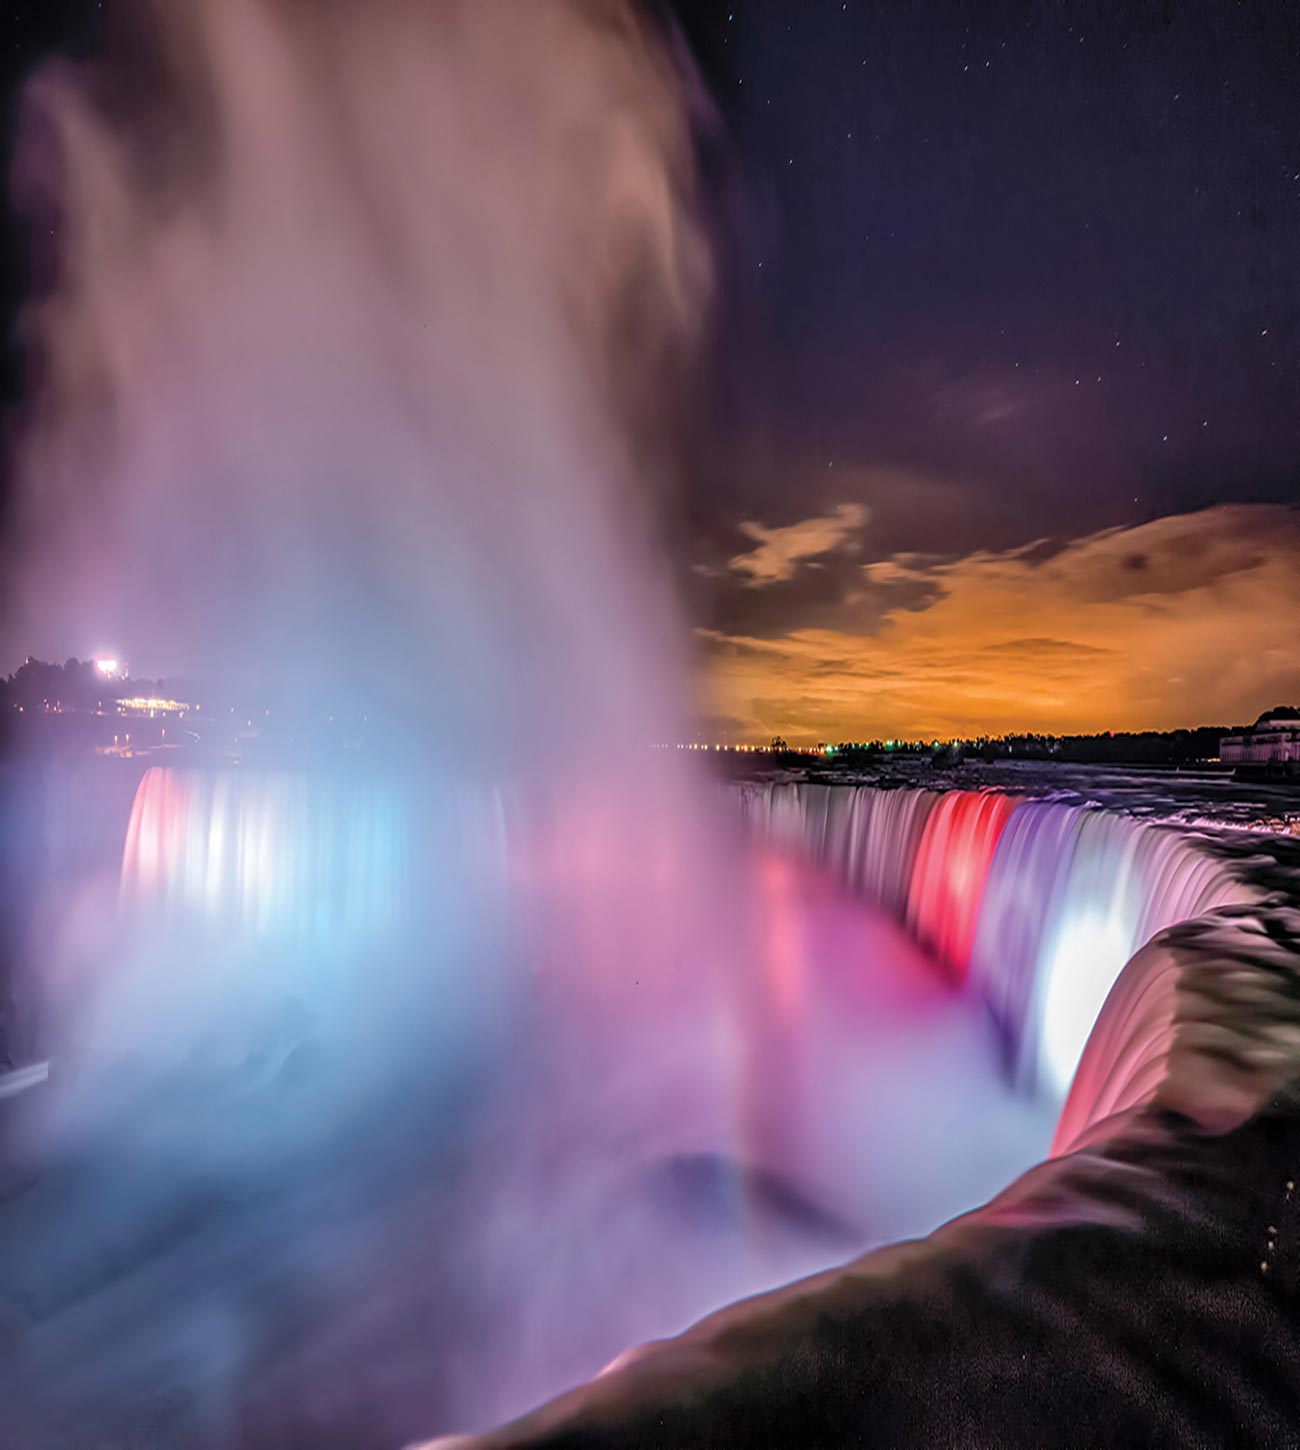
(1036, 904)
(266, 854)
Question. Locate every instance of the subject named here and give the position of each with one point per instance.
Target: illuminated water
(268, 855)
(1040, 904)
(371, 1085)
(565, 1110)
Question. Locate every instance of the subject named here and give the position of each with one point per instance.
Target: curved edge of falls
(1034, 905)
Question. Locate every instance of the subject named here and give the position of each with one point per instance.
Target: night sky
(1050, 250)
(1004, 276)
(30, 31)
(1004, 429)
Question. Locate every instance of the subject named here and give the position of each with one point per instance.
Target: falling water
(268, 855)
(1040, 903)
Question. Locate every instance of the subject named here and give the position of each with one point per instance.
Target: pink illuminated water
(790, 1054)
(570, 1109)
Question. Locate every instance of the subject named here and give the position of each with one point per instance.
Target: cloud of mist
(351, 382)
(353, 310)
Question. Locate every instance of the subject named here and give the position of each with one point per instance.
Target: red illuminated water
(951, 870)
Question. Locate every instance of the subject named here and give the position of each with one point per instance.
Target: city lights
(153, 704)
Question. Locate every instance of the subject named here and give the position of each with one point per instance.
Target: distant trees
(1109, 747)
(1128, 747)
(74, 685)
(77, 686)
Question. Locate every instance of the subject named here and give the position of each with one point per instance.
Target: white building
(1269, 742)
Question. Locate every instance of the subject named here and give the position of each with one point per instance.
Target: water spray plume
(363, 326)
(354, 309)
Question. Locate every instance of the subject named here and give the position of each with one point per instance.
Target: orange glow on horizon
(1187, 620)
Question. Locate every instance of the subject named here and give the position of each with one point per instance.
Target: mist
(393, 1092)
(352, 310)
(348, 388)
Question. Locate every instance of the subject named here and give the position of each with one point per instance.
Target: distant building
(152, 706)
(1272, 743)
